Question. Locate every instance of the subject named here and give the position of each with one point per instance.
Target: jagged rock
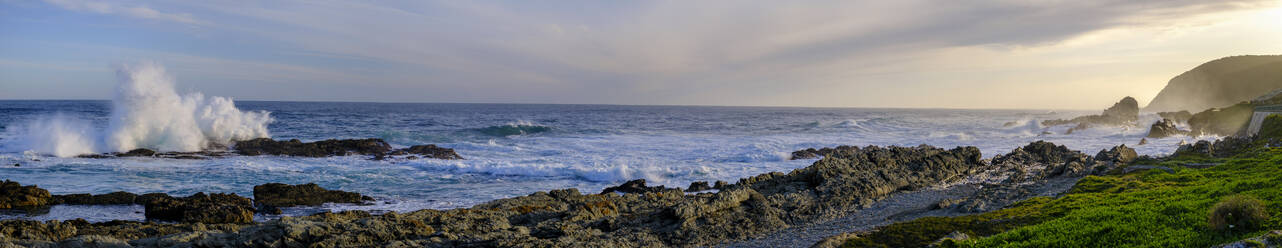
(1118, 154)
(14, 195)
(1222, 148)
(1164, 128)
(201, 208)
(113, 198)
(432, 151)
(634, 186)
(1143, 141)
(324, 148)
(1122, 113)
(811, 153)
(284, 195)
(698, 186)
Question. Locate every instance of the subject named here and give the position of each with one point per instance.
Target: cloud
(142, 12)
(685, 52)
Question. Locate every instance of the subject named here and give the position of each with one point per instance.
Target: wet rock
(113, 198)
(811, 153)
(720, 185)
(1122, 113)
(140, 152)
(1164, 128)
(634, 186)
(324, 148)
(201, 208)
(698, 186)
(432, 151)
(14, 195)
(284, 195)
(1143, 141)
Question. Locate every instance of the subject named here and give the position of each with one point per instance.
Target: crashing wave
(147, 113)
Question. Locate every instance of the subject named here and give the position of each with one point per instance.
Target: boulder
(284, 195)
(14, 195)
(433, 151)
(1164, 128)
(698, 186)
(201, 208)
(113, 198)
(1118, 154)
(634, 186)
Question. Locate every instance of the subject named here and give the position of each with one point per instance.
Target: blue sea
(518, 149)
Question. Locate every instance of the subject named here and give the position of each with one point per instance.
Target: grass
(1142, 209)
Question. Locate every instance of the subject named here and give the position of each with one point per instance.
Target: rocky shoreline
(377, 148)
(845, 181)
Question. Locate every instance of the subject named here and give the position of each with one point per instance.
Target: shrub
(1274, 238)
(1238, 213)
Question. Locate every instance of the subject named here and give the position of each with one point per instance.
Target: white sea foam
(59, 135)
(147, 113)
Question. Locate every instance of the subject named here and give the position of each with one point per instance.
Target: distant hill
(1219, 83)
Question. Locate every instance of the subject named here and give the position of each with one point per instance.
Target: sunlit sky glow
(919, 54)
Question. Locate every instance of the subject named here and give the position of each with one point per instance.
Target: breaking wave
(514, 129)
(146, 113)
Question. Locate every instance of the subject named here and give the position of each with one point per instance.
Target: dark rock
(201, 208)
(1118, 154)
(1181, 117)
(1202, 147)
(1143, 141)
(113, 198)
(268, 209)
(698, 186)
(14, 195)
(324, 148)
(284, 195)
(16, 165)
(1164, 128)
(140, 152)
(811, 153)
(634, 186)
(1122, 113)
(433, 151)
(720, 185)
(1079, 127)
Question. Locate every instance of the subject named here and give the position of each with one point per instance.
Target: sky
(908, 54)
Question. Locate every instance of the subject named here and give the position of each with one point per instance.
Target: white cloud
(142, 12)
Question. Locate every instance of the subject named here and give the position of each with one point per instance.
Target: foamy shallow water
(588, 147)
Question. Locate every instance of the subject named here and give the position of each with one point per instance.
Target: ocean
(518, 149)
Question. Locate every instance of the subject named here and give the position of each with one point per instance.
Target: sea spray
(59, 135)
(147, 113)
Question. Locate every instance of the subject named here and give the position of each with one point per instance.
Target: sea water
(509, 149)
(517, 149)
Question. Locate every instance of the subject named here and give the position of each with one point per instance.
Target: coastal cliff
(1220, 83)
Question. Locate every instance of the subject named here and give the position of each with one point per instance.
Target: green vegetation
(1272, 127)
(1150, 208)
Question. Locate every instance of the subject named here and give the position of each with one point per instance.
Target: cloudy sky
(955, 54)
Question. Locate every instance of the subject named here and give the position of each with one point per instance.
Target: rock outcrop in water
(285, 195)
(332, 147)
(1122, 113)
(14, 195)
(1164, 128)
(811, 153)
